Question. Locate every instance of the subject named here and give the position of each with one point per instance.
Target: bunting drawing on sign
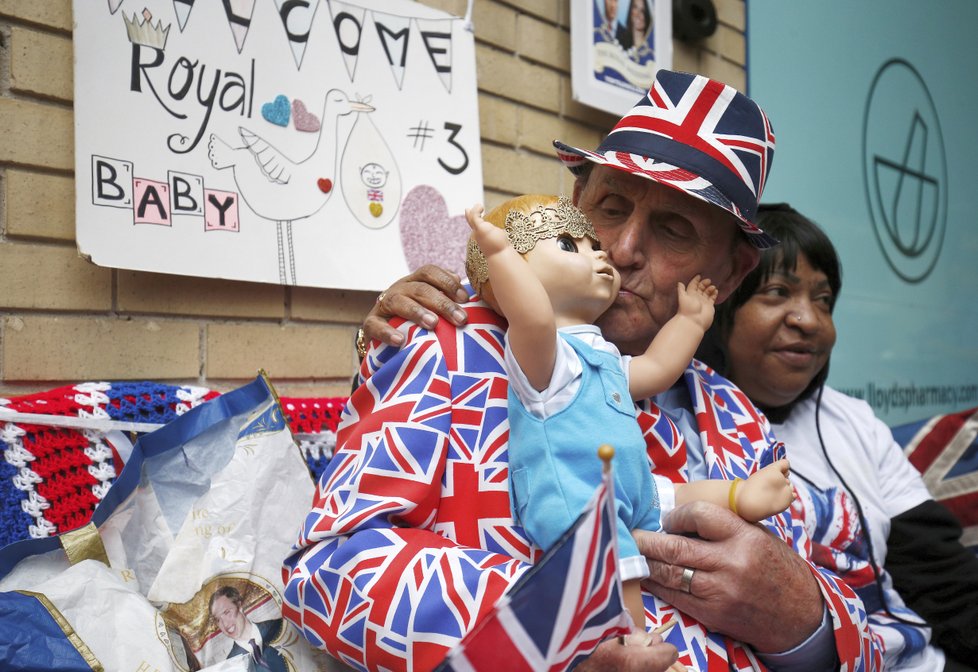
(239, 19)
(437, 37)
(297, 17)
(114, 6)
(182, 9)
(348, 25)
(394, 33)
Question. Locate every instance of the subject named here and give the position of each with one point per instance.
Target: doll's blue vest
(554, 464)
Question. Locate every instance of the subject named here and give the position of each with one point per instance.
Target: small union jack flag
(944, 449)
(696, 135)
(560, 610)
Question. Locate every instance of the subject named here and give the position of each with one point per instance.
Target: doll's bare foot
(765, 493)
(638, 637)
(697, 299)
(645, 639)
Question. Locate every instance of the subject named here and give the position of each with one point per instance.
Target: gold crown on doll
(549, 220)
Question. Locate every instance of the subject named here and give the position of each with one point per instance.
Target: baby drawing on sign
(374, 177)
(537, 260)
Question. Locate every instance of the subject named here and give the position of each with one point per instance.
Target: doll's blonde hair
(526, 219)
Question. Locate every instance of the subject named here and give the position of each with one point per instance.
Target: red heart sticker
(325, 184)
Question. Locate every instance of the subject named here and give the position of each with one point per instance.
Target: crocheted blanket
(53, 474)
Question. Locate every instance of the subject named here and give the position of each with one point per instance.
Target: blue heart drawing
(277, 111)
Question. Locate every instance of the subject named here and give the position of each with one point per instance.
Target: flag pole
(606, 452)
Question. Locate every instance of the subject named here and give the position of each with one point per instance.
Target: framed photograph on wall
(616, 47)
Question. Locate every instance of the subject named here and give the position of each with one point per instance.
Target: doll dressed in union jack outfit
(536, 260)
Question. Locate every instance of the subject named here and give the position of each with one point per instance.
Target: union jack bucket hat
(693, 134)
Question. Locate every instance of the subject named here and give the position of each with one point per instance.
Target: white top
(863, 450)
(566, 378)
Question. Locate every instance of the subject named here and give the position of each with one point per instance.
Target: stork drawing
(280, 189)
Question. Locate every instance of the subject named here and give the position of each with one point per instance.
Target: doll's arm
(523, 300)
(673, 348)
(765, 493)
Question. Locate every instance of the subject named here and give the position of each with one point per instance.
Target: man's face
(657, 237)
(610, 10)
(230, 619)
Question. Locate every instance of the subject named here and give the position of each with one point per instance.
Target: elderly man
(415, 501)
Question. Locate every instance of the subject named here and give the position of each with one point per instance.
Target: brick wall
(63, 319)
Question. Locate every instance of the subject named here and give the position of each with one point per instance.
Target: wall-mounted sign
(616, 47)
(877, 146)
(287, 141)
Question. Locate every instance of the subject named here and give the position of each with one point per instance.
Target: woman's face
(637, 10)
(783, 335)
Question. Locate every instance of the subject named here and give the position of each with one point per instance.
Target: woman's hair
(798, 235)
(630, 24)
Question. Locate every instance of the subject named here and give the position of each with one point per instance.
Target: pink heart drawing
(428, 234)
(304, 120)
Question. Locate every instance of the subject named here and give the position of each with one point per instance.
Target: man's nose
(628, 247)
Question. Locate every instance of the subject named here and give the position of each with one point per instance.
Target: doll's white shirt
(564, 384)
(566, 378)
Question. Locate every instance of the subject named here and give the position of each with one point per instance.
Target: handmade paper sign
(328, 144)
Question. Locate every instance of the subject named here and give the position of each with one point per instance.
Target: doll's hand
(696, 301)
(765, 493)
(491, 239)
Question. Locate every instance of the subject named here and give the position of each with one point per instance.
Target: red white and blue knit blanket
(63, 448)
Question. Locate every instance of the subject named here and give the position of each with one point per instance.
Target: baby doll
(537, 260)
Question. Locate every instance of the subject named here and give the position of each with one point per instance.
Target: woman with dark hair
(861, 501)
(633, 34)
(802, 242)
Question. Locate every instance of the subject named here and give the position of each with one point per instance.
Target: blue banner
(875, 128)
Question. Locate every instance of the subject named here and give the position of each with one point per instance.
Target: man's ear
(744, 259)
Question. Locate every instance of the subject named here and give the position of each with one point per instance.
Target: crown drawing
(144, 32)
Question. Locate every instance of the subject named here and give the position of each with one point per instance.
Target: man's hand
(612, 656)
(420, 298)
(746, 583)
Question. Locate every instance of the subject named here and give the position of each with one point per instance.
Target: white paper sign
(328, 144)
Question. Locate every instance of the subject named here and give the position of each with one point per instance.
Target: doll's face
(576, 275)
